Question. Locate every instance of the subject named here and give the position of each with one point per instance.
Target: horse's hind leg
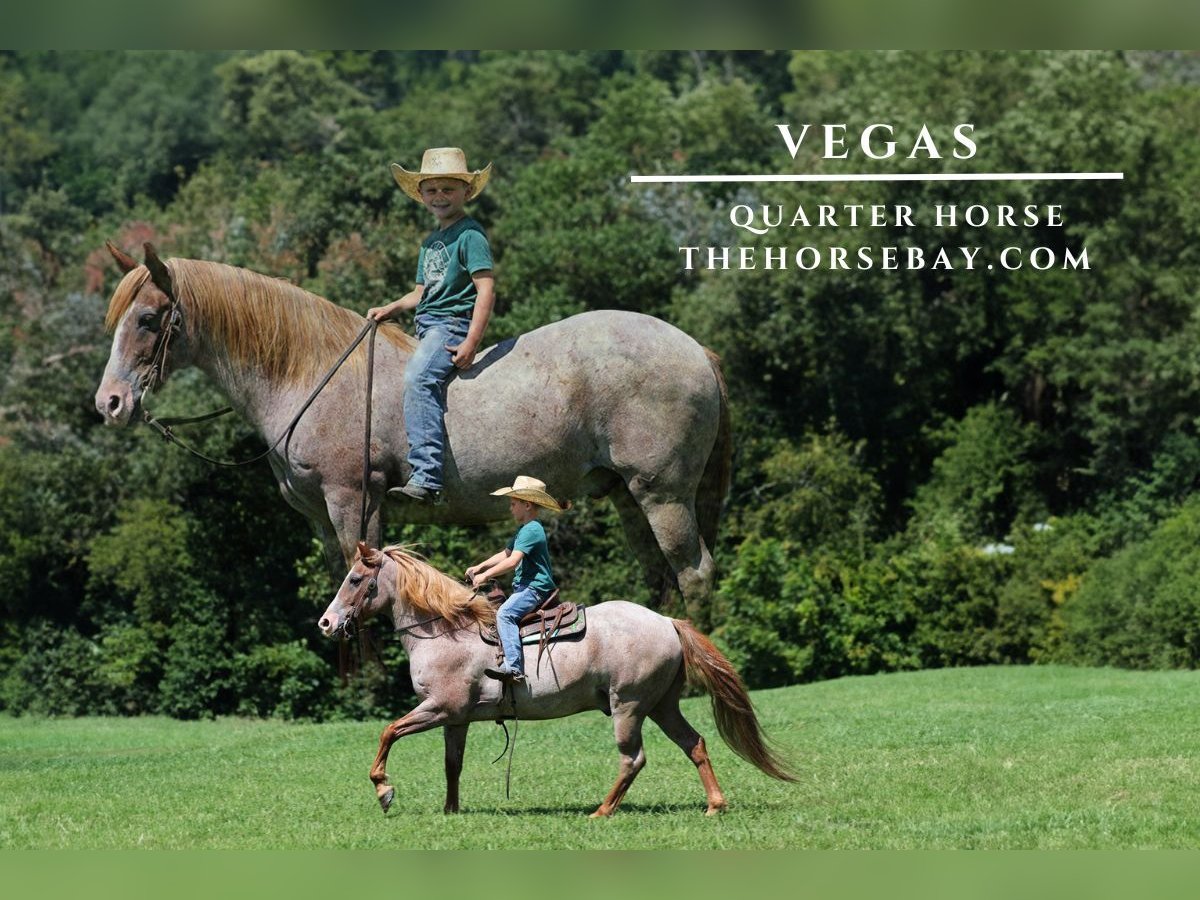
(667, 716)
(627, 726)
(456, 742)
(658, 574)
(677, 533)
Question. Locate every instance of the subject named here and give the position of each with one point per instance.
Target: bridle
(172, 322)
(355, 604)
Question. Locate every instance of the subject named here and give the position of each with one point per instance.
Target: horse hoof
(600, 814)
(386, 798)
(714, 810)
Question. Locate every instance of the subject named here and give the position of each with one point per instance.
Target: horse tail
(706, 667)
(714, 483)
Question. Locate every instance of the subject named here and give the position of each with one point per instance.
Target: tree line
(933, 465)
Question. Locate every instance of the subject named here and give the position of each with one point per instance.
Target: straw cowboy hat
(526, 488)
(442, 162)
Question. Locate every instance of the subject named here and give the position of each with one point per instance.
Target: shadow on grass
(584, 811)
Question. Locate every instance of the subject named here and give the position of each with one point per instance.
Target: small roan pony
(630, 663)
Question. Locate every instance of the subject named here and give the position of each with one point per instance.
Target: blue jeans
(425, 377)
(523, 599)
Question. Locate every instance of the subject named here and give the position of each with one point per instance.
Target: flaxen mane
(428, 591)
(289, 334)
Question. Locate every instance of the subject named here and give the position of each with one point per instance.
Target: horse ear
(364, 550)
(159, 273)
(126, 262)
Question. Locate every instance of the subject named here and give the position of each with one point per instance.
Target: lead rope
(364, 646)
(163, 426)
(511, 753)
(366, 482)
(164, 429)
(509, 747)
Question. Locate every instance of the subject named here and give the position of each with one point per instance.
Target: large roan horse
(607, 403)
(630, 662)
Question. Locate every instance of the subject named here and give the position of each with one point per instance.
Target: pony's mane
(432, 593)
(290, 334)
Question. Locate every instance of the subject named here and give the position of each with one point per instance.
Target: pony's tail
(706, 667)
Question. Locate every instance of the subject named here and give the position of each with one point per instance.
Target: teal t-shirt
(534, 568)
(448, 259)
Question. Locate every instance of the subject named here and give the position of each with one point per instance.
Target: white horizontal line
(972, 176)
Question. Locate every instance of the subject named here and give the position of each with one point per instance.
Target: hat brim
(541, 498)
(410, 182)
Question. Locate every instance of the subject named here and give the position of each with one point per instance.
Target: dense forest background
(932, 468)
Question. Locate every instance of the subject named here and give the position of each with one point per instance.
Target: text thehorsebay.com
(897, 223)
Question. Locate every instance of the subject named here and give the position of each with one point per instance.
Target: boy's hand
(463, 354)
(379, 313)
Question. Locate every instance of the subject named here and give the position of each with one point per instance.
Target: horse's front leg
(428, 714)
(345, 510)
(456, 744)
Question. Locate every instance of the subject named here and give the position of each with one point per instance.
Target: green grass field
(1040, 757)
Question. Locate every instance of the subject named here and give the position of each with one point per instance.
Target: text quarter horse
(607, 403)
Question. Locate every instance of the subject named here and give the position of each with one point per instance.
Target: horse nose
(113, 406)
(326, 625)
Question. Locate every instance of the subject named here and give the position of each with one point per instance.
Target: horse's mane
(292, 335)
(432, 593)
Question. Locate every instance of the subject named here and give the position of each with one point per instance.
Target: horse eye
(147, 321)
(356, 579)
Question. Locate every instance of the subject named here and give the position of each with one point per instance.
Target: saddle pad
(532, 633)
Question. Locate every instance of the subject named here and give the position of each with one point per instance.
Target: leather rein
(173, 322)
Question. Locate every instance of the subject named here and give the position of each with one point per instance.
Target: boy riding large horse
(453, 298)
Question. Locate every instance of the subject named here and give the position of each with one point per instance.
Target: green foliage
(130, 668)
(26, 136)
(57, 676)
(1139, 608)
(193, 675)
(888, 426)
(1048, 564)
(149, 126)
(982, 481)
(517, 104)
(284, 680)
(814, 495)
(547, 249)
(789, 618)
(1134, 508)
(282, 103)
(592, 560)
(952, 590)
(143, 558)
